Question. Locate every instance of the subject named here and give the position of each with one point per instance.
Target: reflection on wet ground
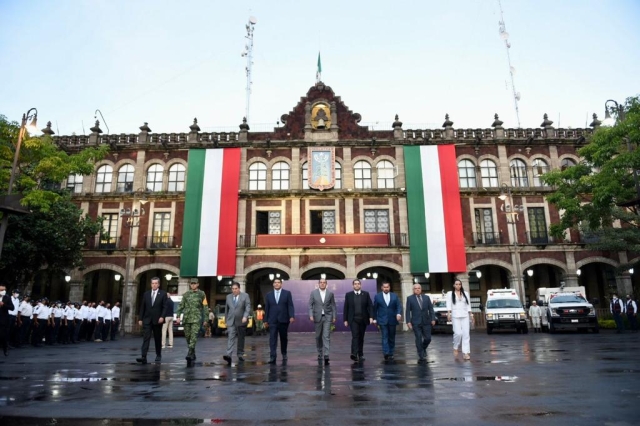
(523, 379)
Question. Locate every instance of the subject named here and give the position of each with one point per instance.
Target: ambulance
(567, 308)
(504, 310)
(440, 308)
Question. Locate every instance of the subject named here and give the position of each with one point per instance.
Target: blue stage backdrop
(301, 290)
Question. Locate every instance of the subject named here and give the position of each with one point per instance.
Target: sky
(166, 62)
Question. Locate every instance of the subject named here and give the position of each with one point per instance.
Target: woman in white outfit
(459, 313)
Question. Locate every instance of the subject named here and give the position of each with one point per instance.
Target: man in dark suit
(387, 312)
(152, 309)
(279, 314)
(420, 317)
(358, 314)
(237, 311)
(6, 305)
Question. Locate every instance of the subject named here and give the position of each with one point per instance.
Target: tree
(53, 239)
(53, 234)
(599, 196)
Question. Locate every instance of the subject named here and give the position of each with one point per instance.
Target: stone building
(355, 226)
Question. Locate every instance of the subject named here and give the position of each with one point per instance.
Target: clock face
(321, 116)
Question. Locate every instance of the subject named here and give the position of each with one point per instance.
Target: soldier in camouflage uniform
(195, 314)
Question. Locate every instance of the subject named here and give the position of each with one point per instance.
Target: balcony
(323, 240)
(487, 238)
(159, 242)
(539, 238)
(101, 243)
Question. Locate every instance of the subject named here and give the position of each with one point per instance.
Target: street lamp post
(512, 213)
(132, 216)
(32, 115)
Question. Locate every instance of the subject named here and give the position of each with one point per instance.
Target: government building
(321, 194)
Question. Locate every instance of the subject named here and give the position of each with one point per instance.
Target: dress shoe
(284, 357)
(354, 357)
(142, 360)
(227, 358)
(272, 360)
(326, 361)
(386, 357)
(158, 358)
(241, 358)
(391, 357)
(422, 361)
(361, 358)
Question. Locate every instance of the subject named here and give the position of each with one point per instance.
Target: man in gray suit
(236, 317)
(322, 311)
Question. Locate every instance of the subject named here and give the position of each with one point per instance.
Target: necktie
(419, 301)
(235, 300)
(153, 298)
(277, 296)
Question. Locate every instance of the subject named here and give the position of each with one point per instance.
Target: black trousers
(422, 333)
(156, 330)
(105, 330)
(4, 337)
(13, 331)
(281, 329)
(358, 328)
(115, 323)
(25, 330)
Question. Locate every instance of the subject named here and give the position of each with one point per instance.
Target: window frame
(104, 178)
(257, 176)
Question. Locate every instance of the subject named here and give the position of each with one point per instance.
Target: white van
(177, 329)
(504, 310)
(440, 309)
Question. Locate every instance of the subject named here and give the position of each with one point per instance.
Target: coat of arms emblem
(321, 167)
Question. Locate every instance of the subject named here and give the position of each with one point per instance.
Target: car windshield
(440, 304)
(568, 298)
(503, 303)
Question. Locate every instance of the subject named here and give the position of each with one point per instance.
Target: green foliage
(591, 194)
(41, 163)
(51, 236)
(50, 239)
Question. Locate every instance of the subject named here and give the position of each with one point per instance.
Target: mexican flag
(436, 242)
(211, 213)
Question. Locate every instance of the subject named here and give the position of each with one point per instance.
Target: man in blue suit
(420, 317)
(279, 314)
(387, 311)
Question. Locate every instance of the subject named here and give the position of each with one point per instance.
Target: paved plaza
(537, 379)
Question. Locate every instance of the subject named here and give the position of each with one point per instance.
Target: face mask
(3, 292)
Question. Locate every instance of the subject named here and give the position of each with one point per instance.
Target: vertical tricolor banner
(211, 213)
(436, 240)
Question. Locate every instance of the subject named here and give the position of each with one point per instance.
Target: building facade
(354, 224)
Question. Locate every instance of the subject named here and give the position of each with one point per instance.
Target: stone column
(571, 280)
(624, 285)
(131, 288)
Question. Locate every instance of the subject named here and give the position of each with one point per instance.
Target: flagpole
(319, 70)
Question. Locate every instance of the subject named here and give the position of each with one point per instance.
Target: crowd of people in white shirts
(38, 322)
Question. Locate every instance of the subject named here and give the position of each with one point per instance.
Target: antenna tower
(505, 36)
(248, 52)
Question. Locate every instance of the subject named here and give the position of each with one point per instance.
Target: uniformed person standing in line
(194, 315)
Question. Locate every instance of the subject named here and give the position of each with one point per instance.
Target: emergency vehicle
(440, 308)
(504, 310)
(567, 308)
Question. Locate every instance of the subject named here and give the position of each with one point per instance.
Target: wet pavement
(567, 378)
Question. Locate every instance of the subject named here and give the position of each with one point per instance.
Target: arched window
(104, 177)
(338, 174)
(489, 173)
(539, 168)
(257, 177)
(125, 178)
(385, 174)
(176, 178)
(519, 176)
(467, 174)
(362, 175)
(280, 176)
(154, 178)
(74, 183)
(566, 163)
